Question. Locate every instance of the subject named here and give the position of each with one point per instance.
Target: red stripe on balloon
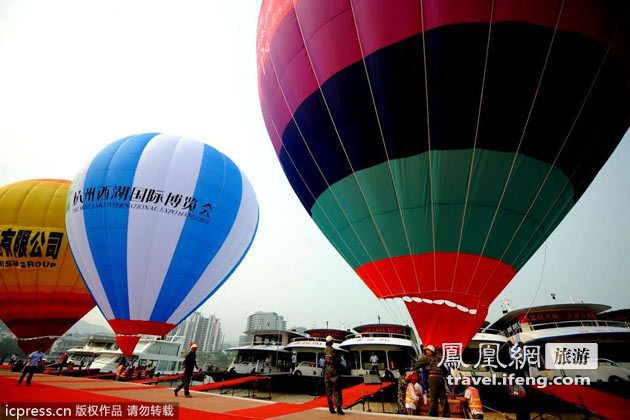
(457, 277)
(131, 327)
(439, 324)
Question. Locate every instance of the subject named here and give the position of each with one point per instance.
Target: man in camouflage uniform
(402, 390)
(332, 378)
(437, 390)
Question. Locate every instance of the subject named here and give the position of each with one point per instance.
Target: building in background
(265, 321)
(204, 331)
(261, 321)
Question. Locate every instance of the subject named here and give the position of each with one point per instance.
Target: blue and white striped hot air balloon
(156, 224)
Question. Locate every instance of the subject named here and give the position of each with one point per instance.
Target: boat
(92, 348)
(308, 370)
(575, 323)
(394, 345)
(264, 355)
(164, 354)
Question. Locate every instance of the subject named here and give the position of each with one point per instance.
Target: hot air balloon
(157, 223)
(437, 144)
(41, 291)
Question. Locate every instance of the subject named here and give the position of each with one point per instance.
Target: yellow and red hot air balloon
(41, 291)
(437, 143)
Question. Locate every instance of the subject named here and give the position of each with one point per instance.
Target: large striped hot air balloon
(157, 223)
(41, 291)
(437, 143)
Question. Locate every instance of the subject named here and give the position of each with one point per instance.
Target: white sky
(77, 75)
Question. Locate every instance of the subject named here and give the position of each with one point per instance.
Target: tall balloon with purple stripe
(157, 223)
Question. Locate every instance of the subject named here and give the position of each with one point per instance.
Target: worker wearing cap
(332, 378)
(437, 390)
(189, 364)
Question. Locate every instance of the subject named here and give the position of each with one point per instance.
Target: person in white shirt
(374, 361)
(32, 363)
(293, 360)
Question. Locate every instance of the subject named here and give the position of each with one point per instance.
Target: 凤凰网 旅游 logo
(571, 356)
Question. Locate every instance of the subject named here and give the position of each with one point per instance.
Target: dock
(60, 389)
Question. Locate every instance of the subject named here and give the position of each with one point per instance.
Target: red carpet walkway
(350, 397)
(601, 403)
(228, 384)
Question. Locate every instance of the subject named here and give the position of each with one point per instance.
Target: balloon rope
(520, 142)
(426, 96)
(476, 136)
(564, 142)
(343, 147)
(334, 195)
(542, 273)
(369, 279)
(389, 164)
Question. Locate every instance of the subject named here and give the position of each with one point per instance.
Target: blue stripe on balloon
(251, 241)
(219, 183)
(113, 166)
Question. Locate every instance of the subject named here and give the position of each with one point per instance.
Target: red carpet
(41, 393)
(350, 396)
(228, 384)
(163, 378)
(609, 406)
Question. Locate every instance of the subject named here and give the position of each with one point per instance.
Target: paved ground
(47, 388)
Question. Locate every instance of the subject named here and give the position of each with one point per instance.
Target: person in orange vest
(474, 402)
(412, 395)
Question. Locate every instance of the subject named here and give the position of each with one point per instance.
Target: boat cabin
(394, 346)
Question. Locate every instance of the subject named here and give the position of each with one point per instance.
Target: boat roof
(270, 332)
(262, 348)
(616, 315)
(508, 318)
(324, 332)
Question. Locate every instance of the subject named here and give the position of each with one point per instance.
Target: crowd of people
(133, 369)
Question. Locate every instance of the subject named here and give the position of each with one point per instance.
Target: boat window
(168, 350)
(306, 357)
(353, 360)
(398, 359)
(366, 354)
(153, 348)
(171, 366)
(162, 365)
(106, 358)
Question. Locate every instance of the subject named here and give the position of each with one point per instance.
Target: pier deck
(48, 388)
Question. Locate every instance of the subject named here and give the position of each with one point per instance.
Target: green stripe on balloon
(450, 170)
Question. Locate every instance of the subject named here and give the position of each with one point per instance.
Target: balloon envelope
(157, 223)
(438, 143)
(41, 291)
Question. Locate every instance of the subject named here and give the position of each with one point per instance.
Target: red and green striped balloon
(438, 143)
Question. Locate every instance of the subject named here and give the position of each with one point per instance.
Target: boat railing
(379, 335)
(582, 323)
(313, 339)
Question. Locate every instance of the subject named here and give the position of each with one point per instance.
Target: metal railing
(584, 323)
(378, 335)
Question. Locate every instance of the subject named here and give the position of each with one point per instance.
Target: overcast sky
(77, 75)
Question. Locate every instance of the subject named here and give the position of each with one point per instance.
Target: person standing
(293, 360)
(374, 361)
(190, 363)
(32, 364)
(402, 390)
(412, 396)
(474, 402)
(332, 378)
(437, 390)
